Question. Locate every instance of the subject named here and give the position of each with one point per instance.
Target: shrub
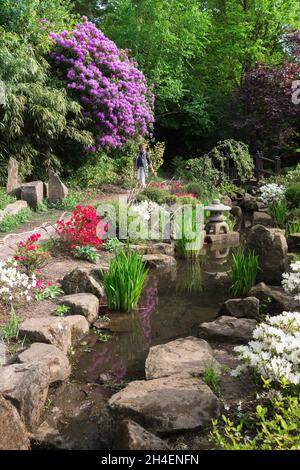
(243, 271)
(278, 212)
(30, 255)
(293, 195)
(157, 195)
(70, 202)
(125, 280)
(292, 227)
(99, 170)
(196, 188)
(274, 351)
(11, 330)
(291, 280)
(15, 286)
(272, 427)
(84, 228)
(112, 91)
(272, 194)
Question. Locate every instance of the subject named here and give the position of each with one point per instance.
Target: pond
(173, 304)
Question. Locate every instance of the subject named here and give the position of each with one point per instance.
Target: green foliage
(124, 281)
(157, 195)
(61, 310)
(5, 199)
(11, 330)
(292, 195)
(237, 153)
(70, 202)
(190, 238)
(212, 379)
(278, 212)
(49, 292)
(98, 170)
(271, 427)
(87, 252)
(12, 222)
(292, 227)
(243, 271)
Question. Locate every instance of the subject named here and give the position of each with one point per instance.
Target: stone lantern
(217, 224)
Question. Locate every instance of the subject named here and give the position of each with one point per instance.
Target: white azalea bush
(145, 209)
(291, 280)
(272, 194)
(274, 352)
(15, 286)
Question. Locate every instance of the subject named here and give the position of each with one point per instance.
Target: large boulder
(273, 299)
(241, 308)
(271, 248)
(57, 191)
(13, 178)
(262, 218)
(3, 353)
(13, 435)
(48, 355)
(248, 203)
(228, 329)
(47, 330)
(33, 193)
(79, 327)
(182, 356)
(166, 405)
(26, 386)
(83, 304)
(80, 281)
(132, 436)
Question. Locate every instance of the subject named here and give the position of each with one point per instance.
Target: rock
(248, 203)
(57, 190)
(51, 357)
(3, 354)
(228, 329)
(15, 207)
(166, 405)
(132, 436)
(33, 193)
(262, 218)
(273, 299)
(13, 435)
(226, 200)
(237, 213)
(271, 248)
(159, 261)
(48, 436)
(80, 281)
(26, 386)
(79, 327)
(155, 249)
(294, 242)
(46, 190)
(47, 330)
(182, 356)
(241, 308)
(83, 304)
(13, 179)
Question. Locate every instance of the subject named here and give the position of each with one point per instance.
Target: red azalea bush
(84, 228)
(30, 255)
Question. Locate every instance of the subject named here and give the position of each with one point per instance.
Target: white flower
(272, 194)
(13, 283)
(274, 351)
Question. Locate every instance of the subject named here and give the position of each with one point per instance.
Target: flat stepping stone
(47, 330)
(132, 436)
(83, 304)
(159, 261)
(57, 362)
(79, 327)
(166, 405)
(241, 308)
(229, 329)
(182, 356)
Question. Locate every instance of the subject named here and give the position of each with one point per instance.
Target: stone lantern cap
(217, 206)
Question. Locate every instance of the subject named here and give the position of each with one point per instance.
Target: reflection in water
(191, 279)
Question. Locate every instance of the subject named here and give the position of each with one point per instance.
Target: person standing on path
(143, 162)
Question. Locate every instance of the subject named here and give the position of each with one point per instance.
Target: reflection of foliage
(148, 305)
(190, 279)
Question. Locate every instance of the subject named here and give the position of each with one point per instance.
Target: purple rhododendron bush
(113, 92)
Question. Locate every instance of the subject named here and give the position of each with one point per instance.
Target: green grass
(212, 379)
(243, 271)
(278, 212)
(125, 280)
(5, 199)
(11, 330)
(12, 222)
